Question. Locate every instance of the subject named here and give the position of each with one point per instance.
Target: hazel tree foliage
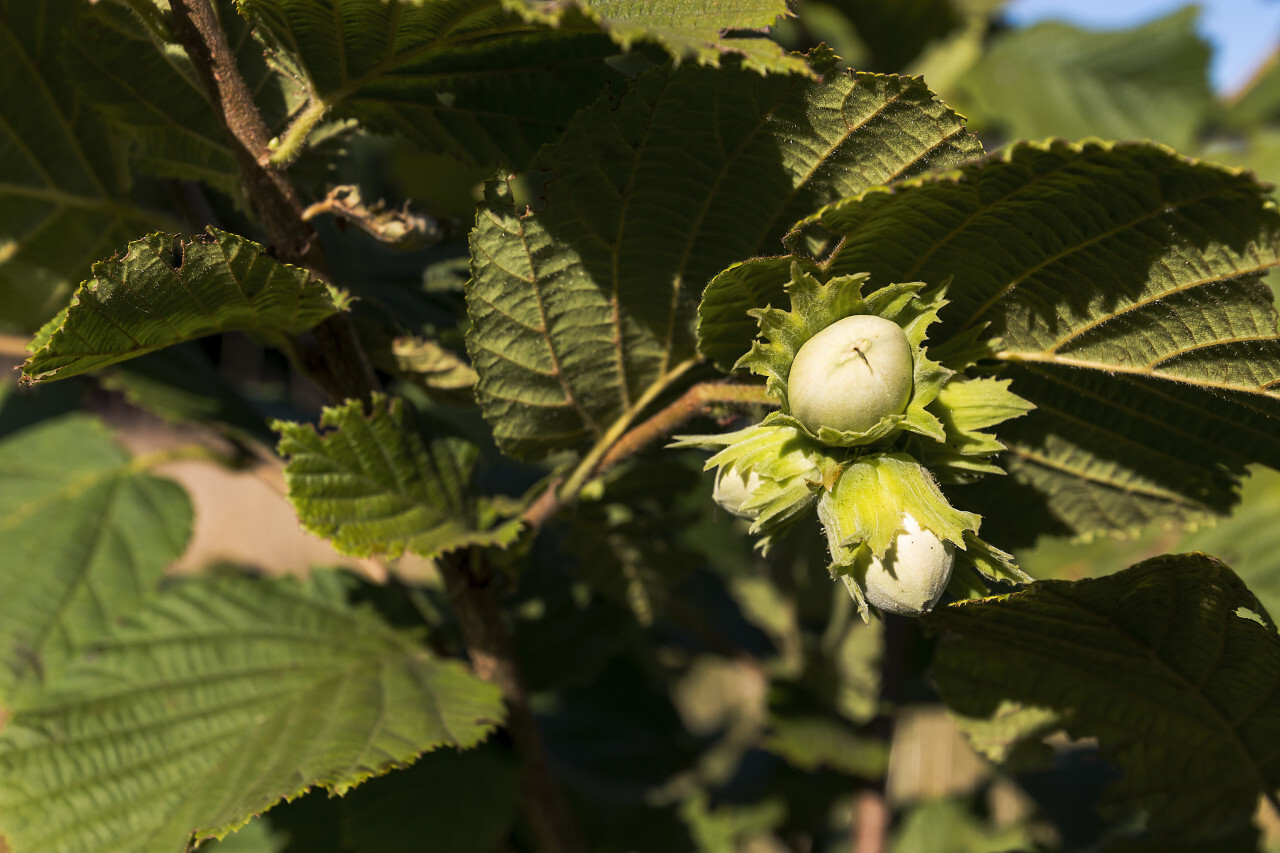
(707, 413)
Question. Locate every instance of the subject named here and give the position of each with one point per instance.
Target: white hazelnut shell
(732, 490)
(914, 572)
(851, 374)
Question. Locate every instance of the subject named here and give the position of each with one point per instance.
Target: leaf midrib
(1113, 368)
(1154, 299)
(1140, 415)
(1093, 240)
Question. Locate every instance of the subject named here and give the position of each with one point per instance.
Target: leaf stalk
(286, 148)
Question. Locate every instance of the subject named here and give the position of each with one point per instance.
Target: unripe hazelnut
(851, 375)
(732, 490)
(913, 573)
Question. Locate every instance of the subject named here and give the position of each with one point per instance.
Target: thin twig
(693, 402)
(544, 506)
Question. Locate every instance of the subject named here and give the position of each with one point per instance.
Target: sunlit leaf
(699, 30)
(164, 291)
(1124, 284)
(215, 701)
(375, 484)
(1053, 79)
(84, 539)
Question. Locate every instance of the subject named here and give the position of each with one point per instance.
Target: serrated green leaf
(63, 199)
(150, 89)
(1054, 79)
(1155, 663)
(697, 30)
(164, 291)
(84, 540)
(461, 77)
(582, 311)
(220, 698)
(1124, 282)
(489, 82)
(374, 484)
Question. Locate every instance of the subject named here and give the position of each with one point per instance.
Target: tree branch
(492, 654)
(334, 355)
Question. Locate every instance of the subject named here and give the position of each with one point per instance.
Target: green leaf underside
(583, 310)
(154, 94)
(1148, 82)
(1124, 283)
(84, 539)
(62, 205)
(487, 81)
(154, 297)
(375, 485)
(220, 698)
(459, 77)
(686, 29)
(1190, 716)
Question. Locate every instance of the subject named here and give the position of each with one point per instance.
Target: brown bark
(332, 353)
(492, 654)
